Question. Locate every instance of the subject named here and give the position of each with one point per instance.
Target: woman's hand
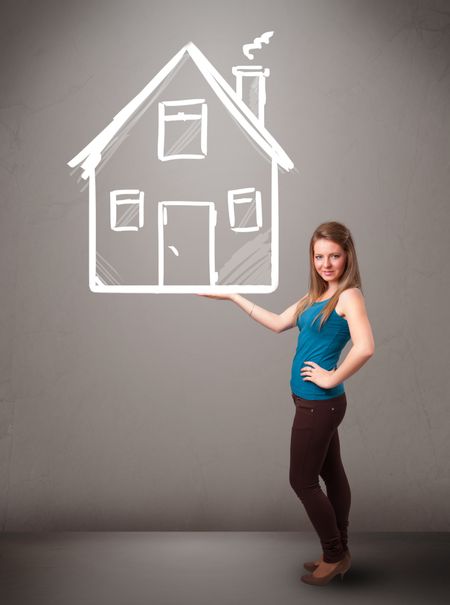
(224, 296)
(323, 378)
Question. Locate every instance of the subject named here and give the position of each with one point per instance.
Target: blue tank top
(323, 347)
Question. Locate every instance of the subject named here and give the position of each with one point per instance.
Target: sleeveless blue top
(324, 347)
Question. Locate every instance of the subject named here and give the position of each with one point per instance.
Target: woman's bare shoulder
(350, 297)
(351, 294)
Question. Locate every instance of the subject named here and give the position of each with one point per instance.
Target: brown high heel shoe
(341, 568)
(312, 565)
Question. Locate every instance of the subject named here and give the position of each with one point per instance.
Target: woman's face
(329, 260)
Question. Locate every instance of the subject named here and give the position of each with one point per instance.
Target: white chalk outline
(265, 37)
(114, 202)
(181, 116)
(162, 221)
(252, 71)
(234, 198)
(90, 156)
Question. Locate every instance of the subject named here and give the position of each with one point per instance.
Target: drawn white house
(183, 185)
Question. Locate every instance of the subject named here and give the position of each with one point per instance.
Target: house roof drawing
(89, 157)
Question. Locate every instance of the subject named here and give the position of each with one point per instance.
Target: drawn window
(182, 129)
(126, 209)
(244, 209)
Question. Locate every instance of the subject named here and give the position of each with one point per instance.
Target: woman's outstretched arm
(273, 321)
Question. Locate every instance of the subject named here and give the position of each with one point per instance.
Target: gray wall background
(173, 412)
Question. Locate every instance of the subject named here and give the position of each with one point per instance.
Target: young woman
(330, 314)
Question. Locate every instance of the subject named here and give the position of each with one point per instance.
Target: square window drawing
(126, 213)
(246, 204)
(182, 129)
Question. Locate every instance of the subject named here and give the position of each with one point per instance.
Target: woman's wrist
(244, 303)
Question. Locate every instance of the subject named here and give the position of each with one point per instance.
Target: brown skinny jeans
(315, 451)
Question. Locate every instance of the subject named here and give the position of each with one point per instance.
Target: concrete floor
(216, 568)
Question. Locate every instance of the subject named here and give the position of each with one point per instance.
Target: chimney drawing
(251, 87)
(251, 79)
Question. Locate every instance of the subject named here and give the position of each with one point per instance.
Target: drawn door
(186, 243)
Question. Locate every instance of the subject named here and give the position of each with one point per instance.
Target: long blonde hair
(339, 234)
